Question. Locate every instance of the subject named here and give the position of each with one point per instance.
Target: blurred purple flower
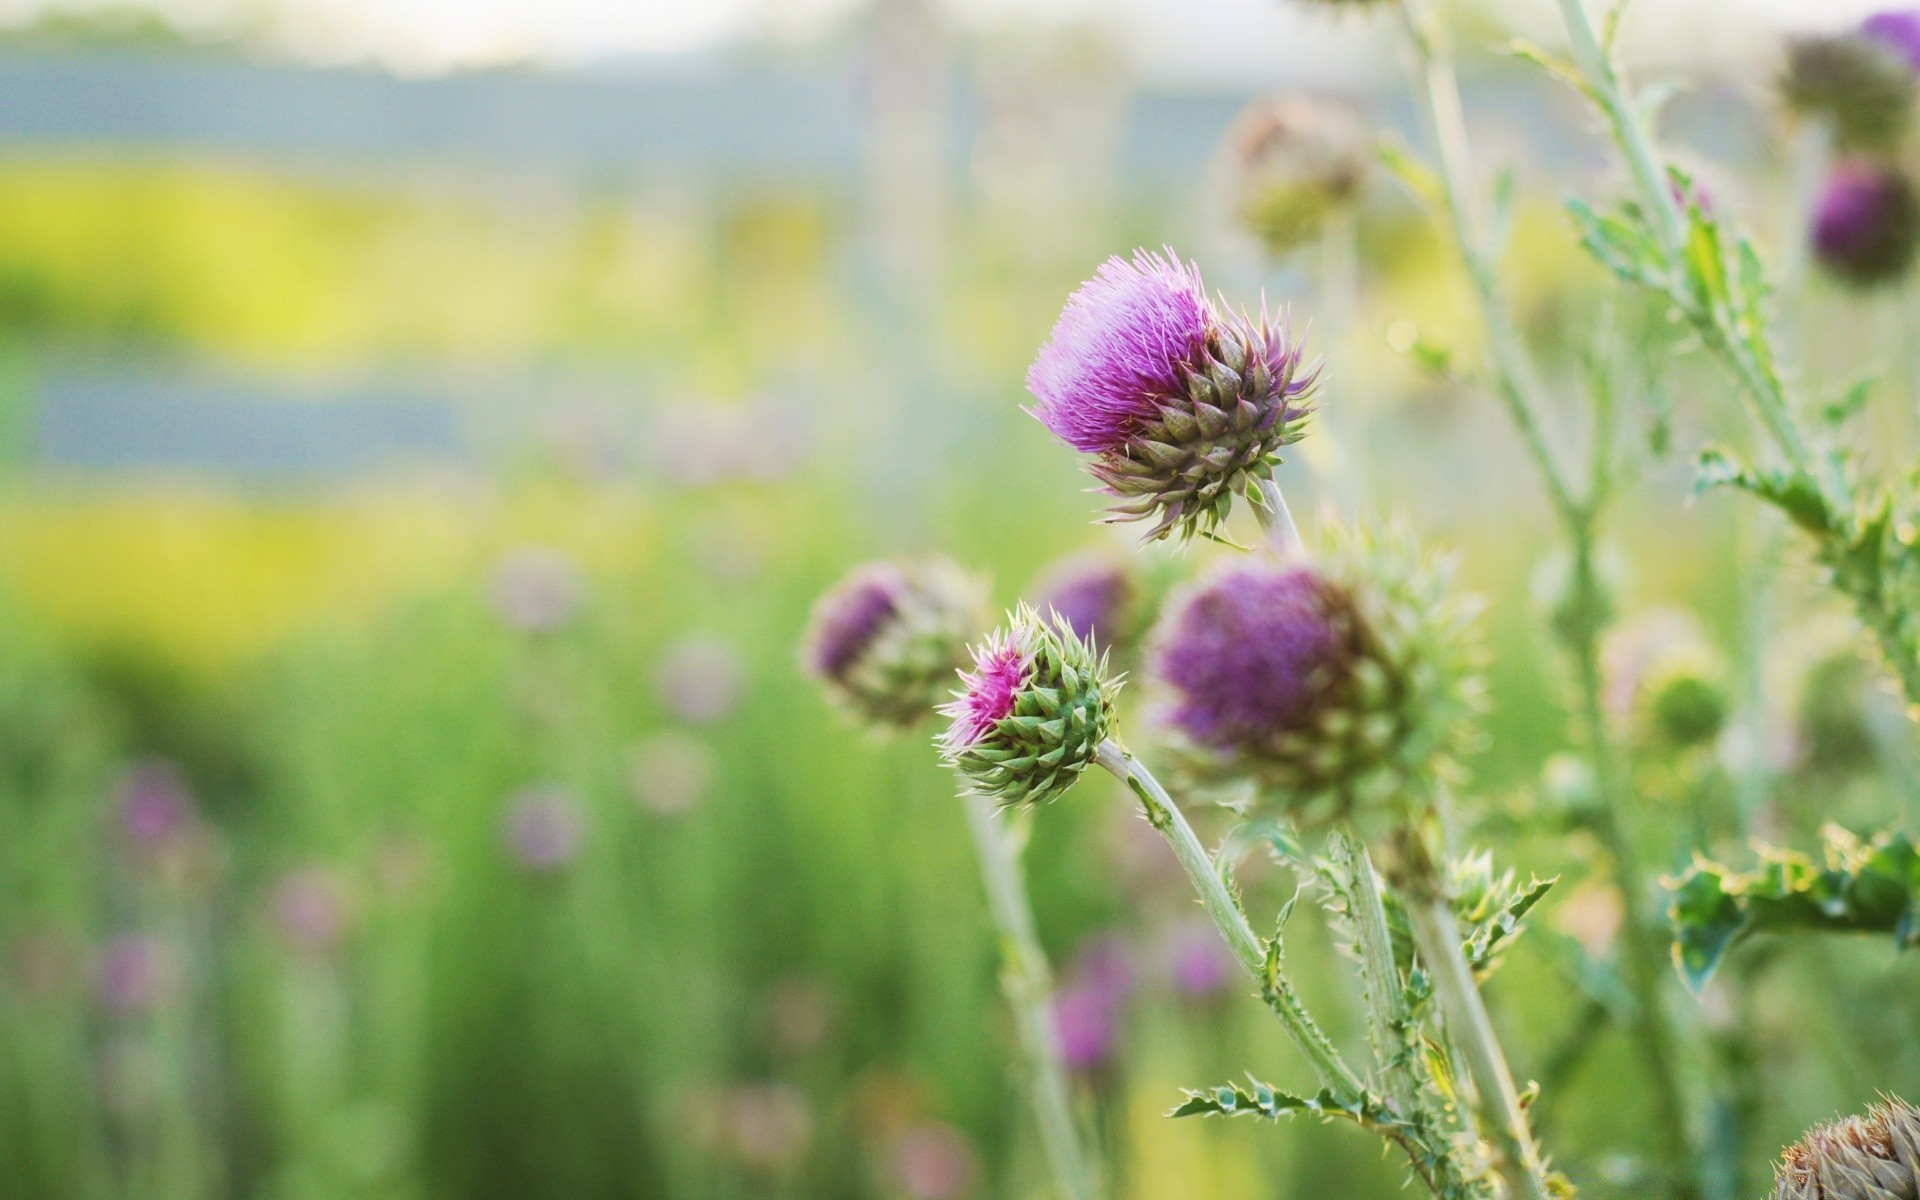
(1898, 30)
(700, 678)
(935, 1162)
(1252, 652)
(310, 909)
(1001, 667)
(156, 809)
(134, 975)
(1866, 223)
(537, 589)
(850, 616)
(670, 772)
(544, 829)
(1105, 963)
(1123, 344)
(1092, 592)
(1197, 962)
(1083, 1018)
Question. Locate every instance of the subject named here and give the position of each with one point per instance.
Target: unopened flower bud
(1292, 162)
(1875, 1157)
(885, 642)
(1328, 686)
(1684, 698)
(1180, 405)
(1858, 85)
(1032, 712)
(1866, 224)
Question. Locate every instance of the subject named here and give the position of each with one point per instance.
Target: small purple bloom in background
(537, 589)
(1897, 30)
(1001, 666)
(135, 974)
(1084, 1021)
(310, 909)
(1197, 963)
(1252, 652)
(156, 809)
(1866, 223)
(1093, 593)
(670, 772)
(848, 619)
(700, 678)
(768, 1125)
(1121, 348)
(934, 1162)
(544, 829)
(1105, 963)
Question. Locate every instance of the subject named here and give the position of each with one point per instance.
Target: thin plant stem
(1387, 1010)
(1027, 981)
(1276, 521)
(1437, 935)
(1247, 948)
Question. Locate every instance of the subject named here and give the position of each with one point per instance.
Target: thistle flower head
(1293, 161)
(1866, 224)
(886, 640)
(1860, 85)
(1179, 404)
(1095, 594)
(1325, 685)
(1684, 698)
(1898, 30)
(1031, 714)
(1875, 1157)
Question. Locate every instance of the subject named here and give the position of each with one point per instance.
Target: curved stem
(1275, 988)
(1027, 982)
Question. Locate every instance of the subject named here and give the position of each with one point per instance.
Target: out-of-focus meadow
(407, 788)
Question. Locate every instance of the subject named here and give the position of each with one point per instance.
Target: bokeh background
(423, 430)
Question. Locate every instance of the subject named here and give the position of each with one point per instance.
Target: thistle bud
(1858, 85)
(1875, 1157)
(1684, 698)
(1291, 163)
(1032, 712)
(1328, 686)
(886, 640)
(1867, 223)
(1179, 404)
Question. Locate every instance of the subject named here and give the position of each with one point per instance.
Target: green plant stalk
(1515, 381)
(1027, 982)
(1224, 909)
(1387, 1011)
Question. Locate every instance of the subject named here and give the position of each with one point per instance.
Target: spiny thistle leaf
(1263, 1100)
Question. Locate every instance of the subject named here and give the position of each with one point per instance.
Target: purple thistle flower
(1252, 653)
(1898, 30)
(851, 616)
(1092, 593)
(544, 829)
(134, 974)
(155, 807)
(1121, 350)
(1197, 962)
(1866, 223)
(1083, 1019)
(1001, 667)
(1105, 964)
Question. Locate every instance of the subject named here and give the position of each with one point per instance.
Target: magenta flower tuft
(885, 641)
(1122, 349)
(1001, 667)
(1181, 405)
(1898, 30)
(1083, 1020)
(1093, 594)
(1198, 962)
(1255, 652)
(1867, 223)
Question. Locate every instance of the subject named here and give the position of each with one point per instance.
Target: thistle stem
(1387, 1011)
(1028, 985)
(1275, 988)
(1437, 934)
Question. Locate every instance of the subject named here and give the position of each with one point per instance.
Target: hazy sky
(1187, 39)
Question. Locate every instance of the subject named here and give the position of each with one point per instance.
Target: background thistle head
(1874, 1157)
(1866, 223)
(1292, 161)
(1179, 404)
(1328, 685)
(885, 641)
(1031, 714)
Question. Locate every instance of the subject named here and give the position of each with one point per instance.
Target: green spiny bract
(1033, 711)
